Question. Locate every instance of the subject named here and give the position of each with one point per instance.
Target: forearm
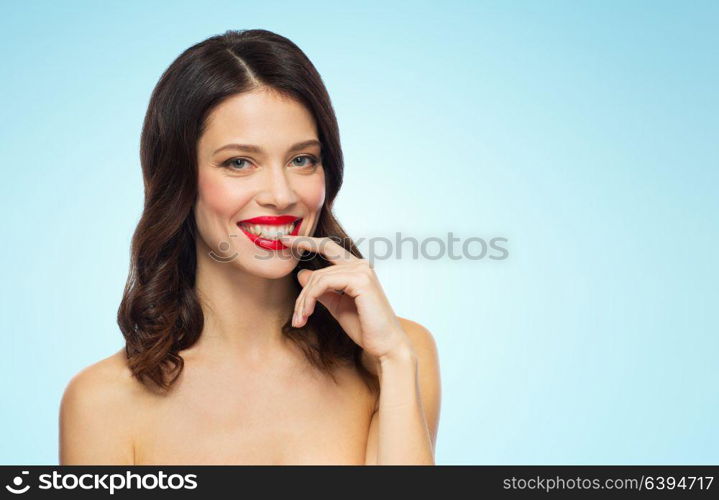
(403, 435)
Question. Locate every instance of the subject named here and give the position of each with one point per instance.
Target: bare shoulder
(425, 347)
(96, 414)
(429, 382)
(421, 338)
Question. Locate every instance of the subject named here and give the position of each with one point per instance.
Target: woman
(255, 331)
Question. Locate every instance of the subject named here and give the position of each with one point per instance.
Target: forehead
(265, 118)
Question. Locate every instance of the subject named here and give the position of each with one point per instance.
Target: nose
(277, 191)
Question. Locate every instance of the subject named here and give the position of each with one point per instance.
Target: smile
(264, 231)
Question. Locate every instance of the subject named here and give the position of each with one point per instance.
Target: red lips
(270, 220)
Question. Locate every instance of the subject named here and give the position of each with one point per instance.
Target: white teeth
(268, 232)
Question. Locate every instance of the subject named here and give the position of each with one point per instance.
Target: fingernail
(294, 319)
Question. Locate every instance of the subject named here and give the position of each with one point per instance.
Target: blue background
(583, 132)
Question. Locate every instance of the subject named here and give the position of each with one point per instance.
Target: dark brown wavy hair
(160, 314)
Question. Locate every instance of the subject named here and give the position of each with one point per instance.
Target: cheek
(313, 192)
(217, 201)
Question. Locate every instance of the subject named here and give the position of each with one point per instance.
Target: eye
(305, 161)
(312, 161)
(232, 166)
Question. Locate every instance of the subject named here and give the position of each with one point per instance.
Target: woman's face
(270, 178)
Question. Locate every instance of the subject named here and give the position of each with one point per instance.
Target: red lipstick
(270, 220)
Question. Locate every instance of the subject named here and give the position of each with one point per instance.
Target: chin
(274, 267)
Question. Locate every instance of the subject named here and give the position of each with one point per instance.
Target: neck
(243, 313)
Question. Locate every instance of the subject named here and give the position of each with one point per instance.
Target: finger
(346, 282)
(302, 306)
(324, 245)
(306, 277)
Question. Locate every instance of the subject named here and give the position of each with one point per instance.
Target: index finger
(324, 245)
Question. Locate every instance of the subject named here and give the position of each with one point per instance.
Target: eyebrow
(251, 148)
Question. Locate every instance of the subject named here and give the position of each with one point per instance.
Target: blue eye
(312, 159)
(229, 164)
(234, 166)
